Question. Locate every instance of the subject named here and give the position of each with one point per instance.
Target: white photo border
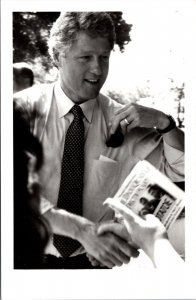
(119, 283)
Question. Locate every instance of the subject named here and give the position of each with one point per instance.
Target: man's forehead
(85, 42)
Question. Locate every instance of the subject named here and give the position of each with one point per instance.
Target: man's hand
(94, 262)
(134, 115)
(148, 233)
(108, 248)
(143, 232)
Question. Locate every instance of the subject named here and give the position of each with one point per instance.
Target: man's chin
(89, 96)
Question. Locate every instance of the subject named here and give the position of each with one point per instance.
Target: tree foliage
(31, 32)
(30, 35)
(121, 97)
(180, 96)
(122, 29)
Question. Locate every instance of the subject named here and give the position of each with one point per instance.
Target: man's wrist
(151, 248)
(66, 224)
(82, 226)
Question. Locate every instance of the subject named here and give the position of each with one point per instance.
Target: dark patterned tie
(72, 173)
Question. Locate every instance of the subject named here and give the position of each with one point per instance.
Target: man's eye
(105, 57)
(84, 58)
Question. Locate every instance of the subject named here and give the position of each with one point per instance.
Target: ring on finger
(126, 121)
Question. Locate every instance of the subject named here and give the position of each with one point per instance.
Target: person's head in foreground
(31, 231)
(80, 44)
(23, 76)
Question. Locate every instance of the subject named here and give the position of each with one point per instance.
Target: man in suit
(80, 45)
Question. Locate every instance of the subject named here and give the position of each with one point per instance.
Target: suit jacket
(105, 167)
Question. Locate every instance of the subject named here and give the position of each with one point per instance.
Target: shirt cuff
(45, 205)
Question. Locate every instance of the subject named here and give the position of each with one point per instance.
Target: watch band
(171, 125)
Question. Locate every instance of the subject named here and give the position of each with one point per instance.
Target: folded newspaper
(147, 190)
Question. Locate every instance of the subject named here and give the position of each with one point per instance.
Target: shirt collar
(65, 104)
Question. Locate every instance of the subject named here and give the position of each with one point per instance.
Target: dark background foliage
(31, 31)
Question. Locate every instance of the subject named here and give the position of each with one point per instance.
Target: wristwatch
(171, 125)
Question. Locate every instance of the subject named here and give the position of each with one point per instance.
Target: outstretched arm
(149, 234)
(109, 249)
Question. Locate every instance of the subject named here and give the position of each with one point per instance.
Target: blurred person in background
(23, 76)
(80, 45)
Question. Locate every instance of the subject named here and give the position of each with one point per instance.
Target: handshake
(115, 243)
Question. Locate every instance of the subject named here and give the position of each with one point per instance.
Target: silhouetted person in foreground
(31, 230)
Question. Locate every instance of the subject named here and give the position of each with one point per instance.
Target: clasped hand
(107, 249)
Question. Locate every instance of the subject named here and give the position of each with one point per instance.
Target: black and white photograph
(88, 92)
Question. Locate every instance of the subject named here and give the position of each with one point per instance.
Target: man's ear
(56, 59)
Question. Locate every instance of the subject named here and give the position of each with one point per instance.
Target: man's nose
(96, 66)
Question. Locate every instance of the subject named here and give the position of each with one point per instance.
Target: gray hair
(64, 31)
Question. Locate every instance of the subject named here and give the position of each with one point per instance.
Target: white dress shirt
(105, 167)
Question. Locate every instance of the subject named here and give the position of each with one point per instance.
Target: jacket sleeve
(173, 167)
(147, 144)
